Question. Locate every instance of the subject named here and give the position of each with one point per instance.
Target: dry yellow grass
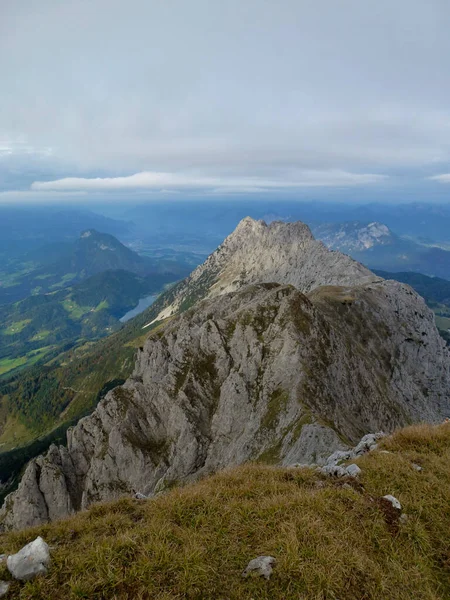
(331, 542)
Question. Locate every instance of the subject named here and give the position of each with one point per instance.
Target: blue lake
(143, 304)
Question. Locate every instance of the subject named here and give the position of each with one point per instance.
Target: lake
(143, 304)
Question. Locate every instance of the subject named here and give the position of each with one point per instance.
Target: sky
(136, 99)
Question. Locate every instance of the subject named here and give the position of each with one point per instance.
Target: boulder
(31, 561)
(353, 470)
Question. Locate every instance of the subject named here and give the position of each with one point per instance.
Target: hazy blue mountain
(376, 246)
(211, 221)
(60, 264)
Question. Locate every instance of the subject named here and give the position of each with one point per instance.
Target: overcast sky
(103, 98)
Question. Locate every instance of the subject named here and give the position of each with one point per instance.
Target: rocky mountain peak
(255, 252)
(275, 229)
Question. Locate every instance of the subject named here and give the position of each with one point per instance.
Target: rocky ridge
(255, 252)
(263, 373)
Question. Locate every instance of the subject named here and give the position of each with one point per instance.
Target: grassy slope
(331, 541)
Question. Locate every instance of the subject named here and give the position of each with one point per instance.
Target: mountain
(293, 352)
(285, 253)
(58, 265)
(355, 236)
(376, 246)
(33, 328)
(95, 252)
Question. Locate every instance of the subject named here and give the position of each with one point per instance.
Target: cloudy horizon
(102, 98)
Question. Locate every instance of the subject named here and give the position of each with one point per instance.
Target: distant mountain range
(211, 221)
(376, 246)
(60, 264)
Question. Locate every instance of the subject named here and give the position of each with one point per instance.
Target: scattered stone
(347, 486)
(416, 467)
(263, 565)
(368, 443)
(4, 587)
(353, 470)
(339, 456)
(140, 496)
(32, 560)
(393, 500)
(404, 518)
(332, 471)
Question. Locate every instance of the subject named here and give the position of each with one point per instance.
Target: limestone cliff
(262, 373)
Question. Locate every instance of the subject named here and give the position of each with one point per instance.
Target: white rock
(4, 587)
(404, 518)
(368, 443)
(416, 467)
(140, 496)
(393, 500)
(32, 560)
(263, 565)
(353, 470)
(339, 456)
(332, 471)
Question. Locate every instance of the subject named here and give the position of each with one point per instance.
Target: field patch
(16, 327)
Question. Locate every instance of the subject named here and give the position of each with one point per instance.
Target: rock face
(263, 373)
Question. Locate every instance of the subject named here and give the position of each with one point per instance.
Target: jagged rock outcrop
(263, 373)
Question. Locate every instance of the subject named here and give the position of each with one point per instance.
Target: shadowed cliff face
(263, 373)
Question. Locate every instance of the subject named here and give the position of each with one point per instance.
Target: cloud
(444, 178)
(236, 92)
(177, 181)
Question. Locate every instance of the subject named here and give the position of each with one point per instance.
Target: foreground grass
(331, 541)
